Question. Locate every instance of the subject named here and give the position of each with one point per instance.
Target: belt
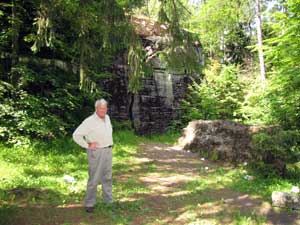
(110, 146)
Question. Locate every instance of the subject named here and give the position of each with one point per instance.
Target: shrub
(42, 103)
(277, 152)
(220, 95)
(282, 53)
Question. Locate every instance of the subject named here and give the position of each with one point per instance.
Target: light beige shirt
(94, 129)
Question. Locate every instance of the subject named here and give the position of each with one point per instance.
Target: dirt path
(177, 172)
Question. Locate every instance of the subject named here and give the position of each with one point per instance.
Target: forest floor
(157, 184)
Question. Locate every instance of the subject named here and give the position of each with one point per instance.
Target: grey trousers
(100, 171)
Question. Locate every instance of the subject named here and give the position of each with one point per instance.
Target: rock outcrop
(154, 107)
(219, 139)
(286, 200)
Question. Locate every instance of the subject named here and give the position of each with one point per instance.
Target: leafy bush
(219, 95)
(254, 109)
(41, 103)
(277, 152)
(283, 99)
(282, 53)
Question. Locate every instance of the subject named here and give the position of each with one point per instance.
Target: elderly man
(95, 135)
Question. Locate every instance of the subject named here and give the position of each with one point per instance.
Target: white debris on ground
(248, 177)
(295, 189)
(69, 179)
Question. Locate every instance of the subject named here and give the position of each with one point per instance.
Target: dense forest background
(54, 54)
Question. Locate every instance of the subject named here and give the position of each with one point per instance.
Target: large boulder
(286, 200)
(219, 139)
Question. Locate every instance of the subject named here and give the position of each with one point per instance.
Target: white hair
(100, 102)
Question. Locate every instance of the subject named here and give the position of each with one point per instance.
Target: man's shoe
(89, 209)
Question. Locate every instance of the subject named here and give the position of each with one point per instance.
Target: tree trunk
(81, 65)
(259, 44)
(82, 43)
(15, 34)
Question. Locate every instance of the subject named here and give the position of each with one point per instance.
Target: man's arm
(80, 133)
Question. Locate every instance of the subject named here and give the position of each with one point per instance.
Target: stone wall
(153, 108)
(157, 103)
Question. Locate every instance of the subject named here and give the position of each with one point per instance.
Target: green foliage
(254, 108)
(177, 49)
(223, 39)
(173, 13)
(277, 152)
(43, 104)
(276, 149)
(218, 96)
(282, 51)
(252, 219)
(86, 34)
(170, 137)
(181, 57)
(136, 61)
(7, 212)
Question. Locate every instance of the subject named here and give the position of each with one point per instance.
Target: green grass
(248, 219)
(32, 175)
(234, 179)
(166, 138)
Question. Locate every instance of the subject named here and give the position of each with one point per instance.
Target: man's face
(101, 110)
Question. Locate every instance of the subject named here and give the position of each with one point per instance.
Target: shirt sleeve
(80, 133)
(110, 130)
(110, 126)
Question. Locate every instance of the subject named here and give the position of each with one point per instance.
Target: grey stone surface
(154, 107)
(219, 139)
(286, 200)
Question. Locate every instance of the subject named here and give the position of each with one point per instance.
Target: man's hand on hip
(93, 145)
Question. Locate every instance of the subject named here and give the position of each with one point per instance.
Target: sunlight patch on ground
(209, 208)
(202, 222)
(198, 214)
(129, 199)
(156, 178)
(8, 170)
(186, 216)
(143, 159)
(265, 208)
(175, 148)
(176, 193)
(70, 206)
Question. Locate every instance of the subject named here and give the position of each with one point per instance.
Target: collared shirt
(94, 129)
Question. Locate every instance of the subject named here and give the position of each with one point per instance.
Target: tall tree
(282, 54)
(260, 43)
(223, 39)
(90, 39)
(15, 33)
